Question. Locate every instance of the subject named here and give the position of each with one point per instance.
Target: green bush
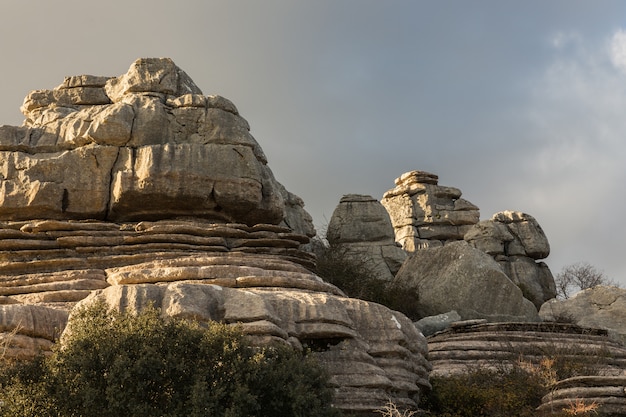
(122, 364)
(511, 392)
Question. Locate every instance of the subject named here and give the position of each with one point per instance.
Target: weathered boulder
(517, 241)
(467, 345)
(154, 148)
(605, 393)
(361, 228)
(602, 307)
(460, 277)
(425, 214)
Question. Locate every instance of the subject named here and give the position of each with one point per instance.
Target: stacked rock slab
(468, 345)
(139, 189)
(605, 394)
(425, 214)
(517, 242)
(360, 227)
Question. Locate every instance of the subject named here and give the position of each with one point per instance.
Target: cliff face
(139, 189)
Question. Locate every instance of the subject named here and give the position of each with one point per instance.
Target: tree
(124, 364)
(579, 276)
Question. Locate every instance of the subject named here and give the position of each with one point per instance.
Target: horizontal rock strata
(372, 353)
(468, 345)
(606, 394)
(425, 214)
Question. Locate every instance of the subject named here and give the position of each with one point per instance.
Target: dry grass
(579, 407)
(390, 410)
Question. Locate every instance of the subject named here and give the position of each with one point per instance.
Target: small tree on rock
(579, 276)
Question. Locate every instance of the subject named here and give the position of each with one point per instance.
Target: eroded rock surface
(467, 345)
(139, 189)
(145, 145)
(425, 214)
(517, 242)
(606, 393)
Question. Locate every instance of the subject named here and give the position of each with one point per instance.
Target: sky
(519, 104)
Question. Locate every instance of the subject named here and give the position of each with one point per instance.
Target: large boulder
(603, 307)
(517, 242)
(426, 214)
(360, 227)
(460, 277)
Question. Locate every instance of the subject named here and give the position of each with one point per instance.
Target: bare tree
(579, 276)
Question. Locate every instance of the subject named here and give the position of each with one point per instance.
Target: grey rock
(462, 278)
(433, 324)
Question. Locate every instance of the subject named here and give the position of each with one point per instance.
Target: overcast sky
(520, 104)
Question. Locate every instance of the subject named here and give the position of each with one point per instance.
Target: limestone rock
(360, 226)
(606, 392)
(425, 214)
(602, 307)
(154, 148)
(372, 353)
(466, 345)
(462, 278)
(517, 241)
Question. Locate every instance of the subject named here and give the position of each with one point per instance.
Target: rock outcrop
(605, 394)
(138, 189)
(143, 146)
(361, 228)
(425, 214)
(460, 277)
(517, 241)
(467, 345)
(603, 307)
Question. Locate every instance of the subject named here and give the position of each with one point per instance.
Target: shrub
(353, 276)
(115, 364)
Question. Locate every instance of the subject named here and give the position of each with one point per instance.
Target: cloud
(618, 50)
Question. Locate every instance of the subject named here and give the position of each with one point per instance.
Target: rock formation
(516, 241)
(425, 214)
(138, 189)
(466, 345)
(606, 393)
(360, 226)
(602, 307)
(460, 277)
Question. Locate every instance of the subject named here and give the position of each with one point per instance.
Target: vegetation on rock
(114, 364)
(579, 276)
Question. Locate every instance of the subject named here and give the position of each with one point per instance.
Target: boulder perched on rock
(460, 277)
(361, 228)
(517, 241)
(602, 306)
(425, 214)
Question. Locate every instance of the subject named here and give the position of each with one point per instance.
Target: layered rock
(460, 277)
(138, 189)
(360, 227)
(605, 394)
(467, 345)
(425, 214)
(602, 306)
(154, 148)
(517, 241)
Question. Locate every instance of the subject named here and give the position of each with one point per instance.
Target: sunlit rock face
(140, 190)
